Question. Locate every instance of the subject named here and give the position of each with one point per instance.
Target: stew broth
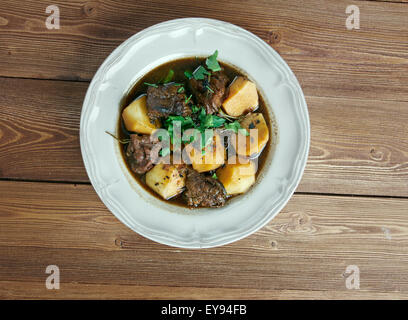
(158, 74)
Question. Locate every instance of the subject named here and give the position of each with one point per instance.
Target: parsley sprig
(212, 62)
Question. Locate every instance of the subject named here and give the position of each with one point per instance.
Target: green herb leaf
(186, 122)
(208, 121)
(200, 72)
(164, 152)
(181, 89)
(243, 131)
(195, 108)
(214, 176)
(188, 99)
(169, 76)
(151, 84)
(209, 88)
(212, 62)
(188, 74)
(235, 126)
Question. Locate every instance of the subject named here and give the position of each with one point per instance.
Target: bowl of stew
(194, 133)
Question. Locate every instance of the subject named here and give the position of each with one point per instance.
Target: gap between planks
(324, 194)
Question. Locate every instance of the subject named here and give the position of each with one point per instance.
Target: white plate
(169, 224)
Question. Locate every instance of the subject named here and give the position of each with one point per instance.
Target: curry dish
(195, 132)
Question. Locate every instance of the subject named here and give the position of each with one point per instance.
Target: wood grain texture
(305, 249)
(358, 146)
(18, 290)
(39, 130)
(328, 59)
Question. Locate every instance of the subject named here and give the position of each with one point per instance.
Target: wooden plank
(36, 290)
(328, 59)
(39, 130)
(358, 146)
(306, 248)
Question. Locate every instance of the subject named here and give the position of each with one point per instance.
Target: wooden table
(351, 207)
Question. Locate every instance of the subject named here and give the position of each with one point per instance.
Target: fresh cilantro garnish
(188, 99)
(209, 120)
(195, 108)
(151, 84)
(214, 176)
(209, 88)
(186, 122)
(206, 139)
(164, 152)
(235, 126)
(169, 76)
(188, 74)
(212, 62)
(200, 73)
(181, 89)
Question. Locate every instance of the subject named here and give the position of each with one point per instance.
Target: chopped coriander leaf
(188, 99)
(235, 126)
(207, 139)
(209, 120)
(200, 72)
(177, 84)
(243, 131)
(209, 89)
(212, 62)
(169, 76)
(186, 122)
(181, 89)
(188, 74)
(195, 108)
(151, 84)
(214, 176)
(164, 152)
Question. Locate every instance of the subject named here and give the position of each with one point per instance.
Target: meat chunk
(164, 101)
(203, 191)
(141, 152)
(212, 101)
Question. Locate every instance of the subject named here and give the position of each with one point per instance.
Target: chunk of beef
(212, 101)
(203, 191)
(141, 152)
(164, 101)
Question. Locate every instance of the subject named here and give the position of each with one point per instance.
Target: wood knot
(274, 37)
(89, 9)
(300, 222)
(274, 244)
(376, 155)
(119, 243)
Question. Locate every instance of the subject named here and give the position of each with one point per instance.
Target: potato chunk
(242, 97)
(252, 145)
(237, 178)
(166, 180)
(136, 119)
(213, 157)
